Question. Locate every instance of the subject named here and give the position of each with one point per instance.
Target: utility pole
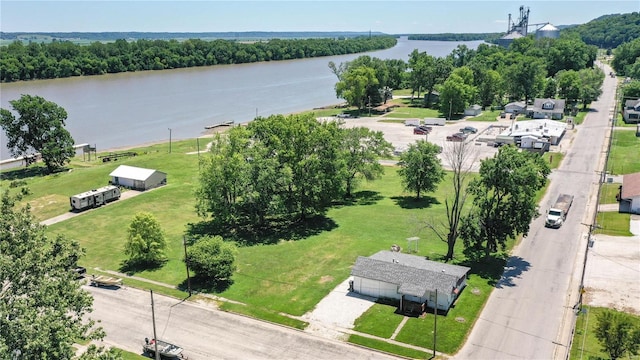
(186, 262)
(155, 337)
(435, 319)
(450, 107)
(169, 140)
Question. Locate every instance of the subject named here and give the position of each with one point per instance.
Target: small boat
(105, 281)
(166, 350)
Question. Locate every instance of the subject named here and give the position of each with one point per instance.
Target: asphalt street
(207, 333)
(530, 313)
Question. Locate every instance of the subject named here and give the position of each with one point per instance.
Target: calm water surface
(118, 110)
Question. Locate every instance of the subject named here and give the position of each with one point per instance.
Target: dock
(226, 123)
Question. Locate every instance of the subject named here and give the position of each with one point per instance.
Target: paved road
(529, 315)
(206, 333)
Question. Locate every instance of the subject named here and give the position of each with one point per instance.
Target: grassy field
(623, 158)
(585, 343)
(293, 270)
(289, 274)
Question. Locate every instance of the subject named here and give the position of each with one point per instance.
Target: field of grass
(623, 158)
(290, 275)
(585, 344)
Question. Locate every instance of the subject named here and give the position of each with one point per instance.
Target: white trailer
(412, 122)
(94, 198)
(435, 121)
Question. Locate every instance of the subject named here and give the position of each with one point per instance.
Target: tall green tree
(569, 85)
(420, 168)
(146, 244)
(39, 128)
(590, 85)
(43, 309)
(212, 259)
(617, 334)
(362, 148)
(224, 176)
(503, 200)
(355, 85)
(457, 92)
(525, 78)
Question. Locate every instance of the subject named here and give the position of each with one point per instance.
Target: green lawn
(585, 344)
(288, 276)
(613, 223)
(608, 193)
(623, 158)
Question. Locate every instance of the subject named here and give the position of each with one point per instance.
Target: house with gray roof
(516, 107)
(548, 109)
(408, 278)
(631, 113)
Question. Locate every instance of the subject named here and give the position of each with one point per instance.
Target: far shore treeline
(61, 59)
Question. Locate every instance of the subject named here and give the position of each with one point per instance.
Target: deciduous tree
(361, 150)
(504, 200)
(420, 168)
(617, 334)
(146, 243)
(43, 309)
(460, 157)
(39, 128)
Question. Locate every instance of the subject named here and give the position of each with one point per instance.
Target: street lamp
(169, 140)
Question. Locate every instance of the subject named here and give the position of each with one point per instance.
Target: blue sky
(390, 16)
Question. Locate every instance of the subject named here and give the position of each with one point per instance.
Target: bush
(212, 259)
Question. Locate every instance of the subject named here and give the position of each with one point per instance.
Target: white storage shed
(137, 178)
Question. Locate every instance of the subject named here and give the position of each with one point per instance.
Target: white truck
(558, 212)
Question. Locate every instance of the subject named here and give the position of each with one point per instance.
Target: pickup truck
(558, 212)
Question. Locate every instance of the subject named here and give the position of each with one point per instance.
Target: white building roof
(538, 128)
(132, 172)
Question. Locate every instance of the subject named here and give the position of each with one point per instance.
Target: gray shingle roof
(414, 275)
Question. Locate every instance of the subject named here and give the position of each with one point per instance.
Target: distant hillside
(113, 36)
(609, 31)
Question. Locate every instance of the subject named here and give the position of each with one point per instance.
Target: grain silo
(548, 31)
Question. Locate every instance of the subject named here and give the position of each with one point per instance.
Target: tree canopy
(212, 259)
(420, 168)
(39, 128)
(64, 59)
(617, 334)
(146, 243)
(503, 200)
(44, 309)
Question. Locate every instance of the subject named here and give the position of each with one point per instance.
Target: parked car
(457, 137)
(503, 115)
(469, 130)
(419, 130)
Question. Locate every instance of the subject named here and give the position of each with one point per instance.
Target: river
(118, 110)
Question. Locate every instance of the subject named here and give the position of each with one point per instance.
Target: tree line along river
(125, 109)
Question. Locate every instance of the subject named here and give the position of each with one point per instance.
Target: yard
(294, 268)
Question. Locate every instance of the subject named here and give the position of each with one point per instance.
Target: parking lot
(401, 135)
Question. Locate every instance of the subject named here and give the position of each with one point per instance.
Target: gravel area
(612, 276)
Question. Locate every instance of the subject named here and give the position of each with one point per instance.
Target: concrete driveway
(337, 312)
